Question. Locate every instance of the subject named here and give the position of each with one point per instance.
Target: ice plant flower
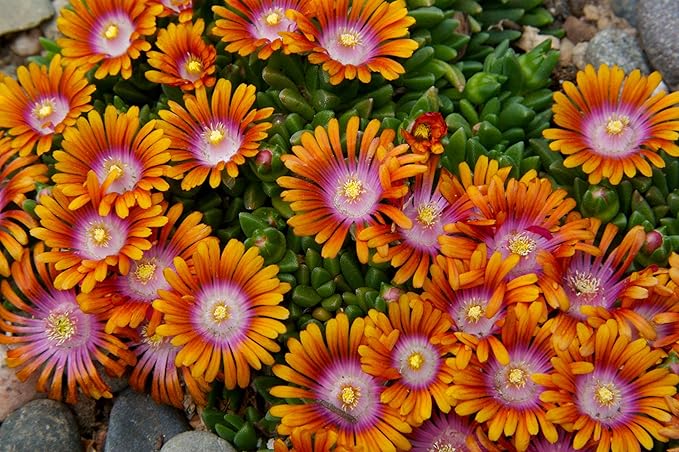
(303, 440)
(184, 59)
(399, 349)
(181, 8)
(85, 244)
(614, 396)
(129, 162)
(127, 299)
(325, 372)
(254, 25)
(107, 32)
(209, 136)
(226, 315)
(43, 102)
(450, 432)
(611, 125)
(425, 134)
(503, 396)
(334, 187)
(18, 176)
(476, 295)
(52, 336)
(353, 38)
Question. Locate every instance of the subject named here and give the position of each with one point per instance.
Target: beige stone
(14, 393)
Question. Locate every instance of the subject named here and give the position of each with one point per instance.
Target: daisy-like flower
(128, 161)
(53, 336)
(476, 295)
(209, 136)
(614, 396)
(564, 443)
(254, 25)
(225, 316)
(399, 349)
(325, 372)
(181, 8)
(110, 32)
(425, 134)
(156, 364)
(85, 244)
(612, 125)
(17, 177)
(503, 395)
(184, 60)
(303, 440)
(127, 299)
(450, 432)
(43, 102)
(332, 190)
(353, 38)
(413, 249)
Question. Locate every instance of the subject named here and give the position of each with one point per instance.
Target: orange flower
(611, 125)
(426, 133)
(43, 103)
(184, 60)
(353, 41)
(181, 8)
(210, 136)
(128, 162)
(110, 32)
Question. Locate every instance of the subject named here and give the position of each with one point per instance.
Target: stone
(139, 423)
(578, 55)
(566, 52)
(202, 441)
(85, 411)
(627, 9)
(614, 46)
(558, 8)
(44, 425)
(577, 7)
(578, 30)
(531, 37)
(657, 23)
(49, 28)
(27, 43)
(23, 15)
(13, 392)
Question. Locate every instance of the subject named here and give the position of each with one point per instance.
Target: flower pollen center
(584, 284)
(60, 327)
(273, 18)
(99, 235)
(616, 125)
(415, 361)
(474, 313)
(116, 170)
(428, 214)
(422, 131)
(153, 340)
(349, 39)
(522, 244)
(349, 396)
(606, 394)
(353, 189)
(145, 272)
(44, 109)
(111, 31)
(221, 312)
(516, 377)
(439, 446)
(194, 66)
(215, 136)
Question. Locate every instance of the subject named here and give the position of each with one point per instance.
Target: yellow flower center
(153, 340)
(438, 446)
(517, 377)
(99, 235)
(43, 110)
(111, 32)
(616, 125)
(116, 170)
(60, 327)
(474, 313)
(427, 214)
(353, 189)
(584, 284)
(145, 272)
(221, 312)
(194, 66)
(349, 396)
(605, 394)
(349, 39)
(273, 18)
(521, 244)
(422, 131)
(415, 361)
(215, 136)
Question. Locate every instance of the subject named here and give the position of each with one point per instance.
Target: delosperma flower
(353, 41)
(128, 161)
(183, 9)
(443, 432)
(44, 101)
(611, 125)
(425, 134)
(110, 33)
(209, 136)
(54, 337)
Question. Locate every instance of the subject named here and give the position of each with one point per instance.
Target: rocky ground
(630, 33)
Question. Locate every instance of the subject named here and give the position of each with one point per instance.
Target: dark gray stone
(137, 423)
(614, 46)
(19, 15)
(658, 24)
(627, 9)
(194, 440)
(44, 425)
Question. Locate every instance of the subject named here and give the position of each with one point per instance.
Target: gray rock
(195, 440)
(13, 393)
(23, 15)
(627, 9)
(40, 425)
(657, 24)
(49, 28)
(137, 423)
(27, 43)
(614, 46)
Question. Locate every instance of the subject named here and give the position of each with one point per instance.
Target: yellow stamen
(415, 361)
(221, 312)
(605, 394)
(153, 340)
(584, 283)
(99, 235)
(349, 39)
(215, 136)
(273, 18)
(521, 244)
(439, 446)
(616, 125)
(353, 189)
(60, 327)
(44, 110)
(428, 214)
(145, 272)
(422, 131)
(474, 313)
(116, 170)
(111, 32)
(517, 377)
(194, 66)
(349, 396)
